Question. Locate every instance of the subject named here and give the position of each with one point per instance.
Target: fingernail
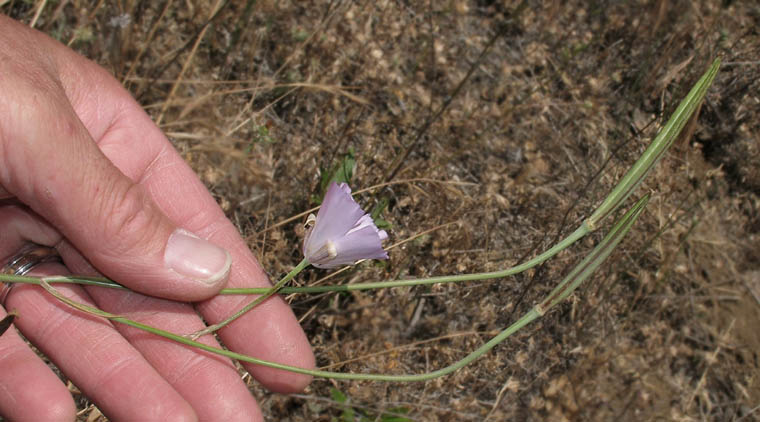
(199, 259)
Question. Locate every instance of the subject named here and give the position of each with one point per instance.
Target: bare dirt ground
(498, 127)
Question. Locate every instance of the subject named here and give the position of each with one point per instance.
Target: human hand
(84, 169)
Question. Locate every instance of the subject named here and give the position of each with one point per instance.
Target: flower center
(327, 252)
(332, 251)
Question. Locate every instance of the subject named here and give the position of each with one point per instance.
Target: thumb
(49, 161)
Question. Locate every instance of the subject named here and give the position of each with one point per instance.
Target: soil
(484, 131)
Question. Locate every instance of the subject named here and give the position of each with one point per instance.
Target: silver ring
(24, 262)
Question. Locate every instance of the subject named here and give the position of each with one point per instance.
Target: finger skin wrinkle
(128, 208)
(16, 141)
(19, 365)
(193, 363)
(107, 368)
(159, 162)
(129, 139)
(211, 383)
(134, 301)
(46, 320)
(94, 340)
(9, 394)
(220, 390)
(152, 401)
(169, 173)
(88, 88)
(51, 320)
(14, 351)
(208, 381)
(111, 375)
(22, 226)
(119, 141)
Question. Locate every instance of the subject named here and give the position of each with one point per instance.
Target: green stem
(564, 289)
(624, 188)
(563, 244)
(629, 182)
(264, 296)
(657, 148)
(593, 260)
(566, 242)
(526, 319)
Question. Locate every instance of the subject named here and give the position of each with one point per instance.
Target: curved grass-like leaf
(657, 148)
(564, 289)
(580, 272)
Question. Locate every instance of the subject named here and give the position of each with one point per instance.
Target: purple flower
(342, 233)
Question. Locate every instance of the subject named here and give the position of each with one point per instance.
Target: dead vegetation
(497, 127)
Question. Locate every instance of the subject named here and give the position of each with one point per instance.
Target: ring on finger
(25, 261)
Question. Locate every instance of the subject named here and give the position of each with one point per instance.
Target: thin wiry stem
(571, 282)
(622, 190)
(657, 148)
(566, 287)
(269, 292)
(104, 282)
(593, 260)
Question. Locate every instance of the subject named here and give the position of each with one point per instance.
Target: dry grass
(259, 100)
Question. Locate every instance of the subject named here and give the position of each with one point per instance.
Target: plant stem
(526, 319)
(571, 282)
(266, 294)
(657, 148)
(563, 289)
(622, 190)
(563, 244)
(593, 260)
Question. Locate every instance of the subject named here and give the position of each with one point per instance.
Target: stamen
(332, 251)
(326, 252)
(310, 221)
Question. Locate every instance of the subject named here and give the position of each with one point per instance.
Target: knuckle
(130, 220)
